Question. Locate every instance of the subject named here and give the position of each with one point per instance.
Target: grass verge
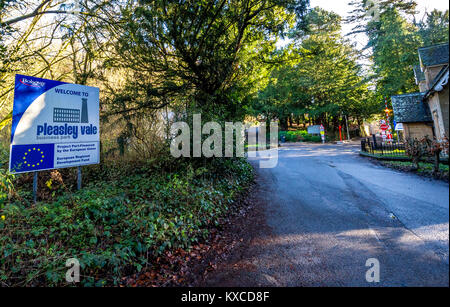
(425, 169)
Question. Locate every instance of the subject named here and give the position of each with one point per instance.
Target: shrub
(415, 149)
(299, 136)
(7, 189)
(116, 226)
(4, 156)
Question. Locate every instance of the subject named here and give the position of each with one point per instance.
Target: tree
(366, 13)
(282, 98)
(394, 42)
(394, 36)
(323, 83)
(435, 28)
(65, 43)
(197, 53)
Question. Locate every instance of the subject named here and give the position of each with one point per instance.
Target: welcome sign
(54, 125)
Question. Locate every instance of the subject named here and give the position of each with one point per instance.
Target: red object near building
(384, 127)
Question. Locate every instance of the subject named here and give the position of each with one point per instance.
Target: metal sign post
(322, 133)
(79, 177)
(389, 130)
(35, 186)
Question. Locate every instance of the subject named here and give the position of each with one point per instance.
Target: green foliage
(292, 136)
(435, 28)
(299, 136)
(322, 81)
(394, 38)
(4, 155)
(116, 226)
(6, 179)
(6, 186)
(5, 121)
(422, 168)
(394, 42)
(365, 12)
(201, 54)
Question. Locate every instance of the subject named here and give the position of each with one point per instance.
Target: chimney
(84, 111)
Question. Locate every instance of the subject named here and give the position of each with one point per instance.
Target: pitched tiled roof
(409, 108)
(434, 55)
(418, 73)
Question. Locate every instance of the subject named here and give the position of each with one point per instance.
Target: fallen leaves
(186, 267)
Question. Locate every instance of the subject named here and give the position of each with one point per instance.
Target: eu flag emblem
(34, 157)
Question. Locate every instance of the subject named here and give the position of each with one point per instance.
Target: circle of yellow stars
(31, 151)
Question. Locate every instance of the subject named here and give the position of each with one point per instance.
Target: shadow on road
(319, 223)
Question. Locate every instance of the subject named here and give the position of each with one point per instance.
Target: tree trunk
(290, 121)
(284, 123)
(362, 132)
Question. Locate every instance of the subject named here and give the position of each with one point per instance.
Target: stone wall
(431, 73)
(417, 130)
(443, 101)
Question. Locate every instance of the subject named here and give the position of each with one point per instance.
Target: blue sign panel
(28, 158)
(54, 125)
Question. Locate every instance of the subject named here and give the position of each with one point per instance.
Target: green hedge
(116, 227)
(299, 136)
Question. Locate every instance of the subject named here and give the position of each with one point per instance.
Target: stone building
(414, 114)
(426, 112)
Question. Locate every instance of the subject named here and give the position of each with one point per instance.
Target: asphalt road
(328, 210)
